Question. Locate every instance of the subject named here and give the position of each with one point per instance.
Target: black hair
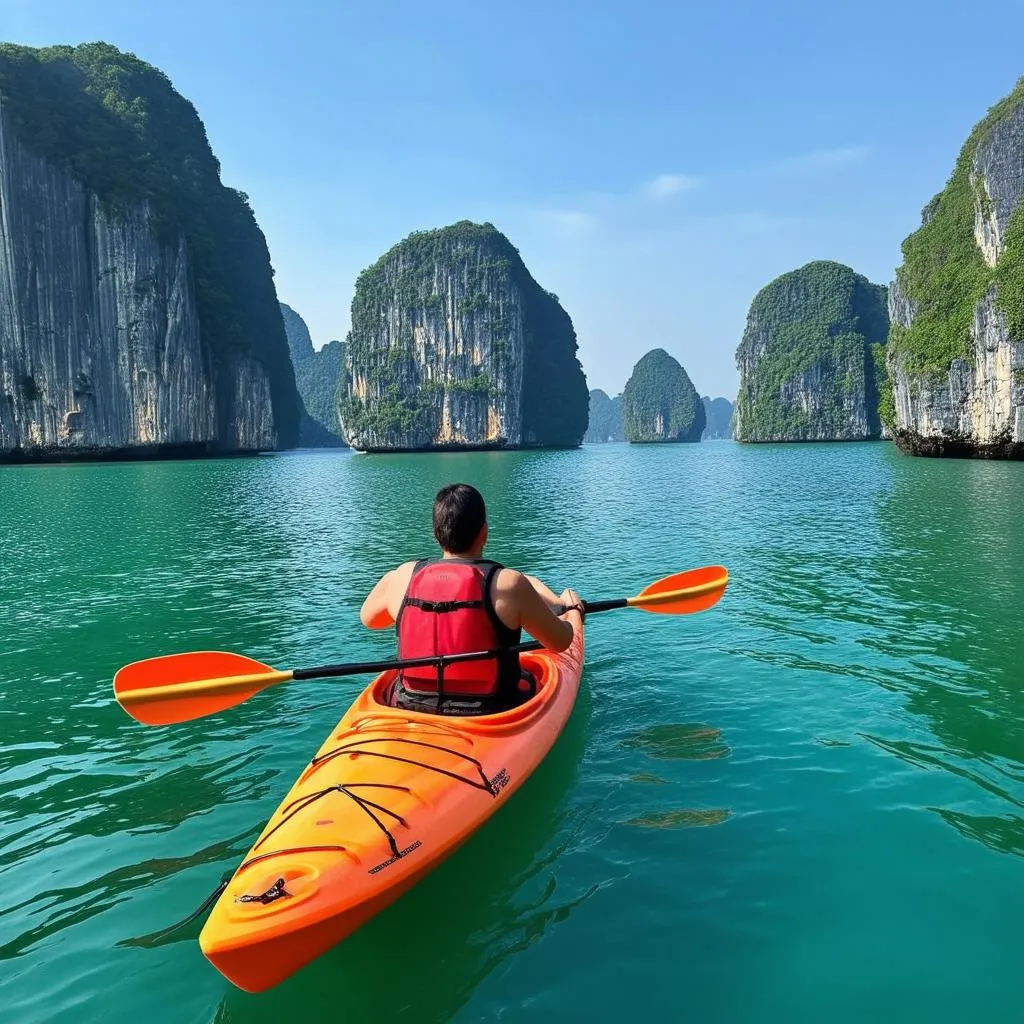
(459, 516)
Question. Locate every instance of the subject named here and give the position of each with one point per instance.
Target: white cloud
(818, 161)
(664, 186)
(566, 223)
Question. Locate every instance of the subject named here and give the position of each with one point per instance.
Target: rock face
(605, 422)
(811, 360)
(956, 346)
(316, 376)
(137, 306)
(454, 345)
(659, 402)
(718, 414)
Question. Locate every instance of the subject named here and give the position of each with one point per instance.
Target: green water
(802, 805)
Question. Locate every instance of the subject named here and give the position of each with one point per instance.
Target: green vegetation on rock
(943, 274)
(605, 422)
(807, 369)
(447, 316)
(118, 126)
(316, 376)
(660, 403)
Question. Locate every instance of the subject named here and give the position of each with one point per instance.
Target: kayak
(389, 795)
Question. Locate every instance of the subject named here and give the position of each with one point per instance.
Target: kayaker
(462, 602)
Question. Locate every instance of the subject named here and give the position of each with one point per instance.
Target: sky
(656, 164)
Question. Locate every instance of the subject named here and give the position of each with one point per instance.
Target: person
(461, 603)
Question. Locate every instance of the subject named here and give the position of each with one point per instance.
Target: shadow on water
(422, 958)
(955, 586)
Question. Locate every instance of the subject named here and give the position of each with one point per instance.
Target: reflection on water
(955, 588)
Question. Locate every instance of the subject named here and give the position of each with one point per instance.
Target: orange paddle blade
(685, 592)
(161, 691)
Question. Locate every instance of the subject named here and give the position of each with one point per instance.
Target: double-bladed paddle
(181, 687)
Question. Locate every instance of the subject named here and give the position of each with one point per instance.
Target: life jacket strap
(442, 606)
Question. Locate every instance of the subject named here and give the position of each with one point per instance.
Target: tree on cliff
(806, 362)
(605, 422)
(118, 126)
(454, 344)
(660, 403)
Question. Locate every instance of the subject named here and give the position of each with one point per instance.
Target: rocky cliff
(810, 356)
(605, 420)
(956, 346)
(316, 375)
(660, 403)
(718, 414)
(454, 345)
(137, 306)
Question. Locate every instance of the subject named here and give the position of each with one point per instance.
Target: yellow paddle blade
(683, 593)
(181, 687)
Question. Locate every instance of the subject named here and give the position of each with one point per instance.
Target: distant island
(660, 403)
(455, 345)
(812, 358)
(718, 417)
(316, 376)
(605, 421)
(144, 317)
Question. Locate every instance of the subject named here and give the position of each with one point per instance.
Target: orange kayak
(389, 795)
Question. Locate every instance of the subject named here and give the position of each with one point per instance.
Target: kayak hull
(388, 797)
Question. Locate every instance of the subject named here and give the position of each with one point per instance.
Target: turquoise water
(802, 805)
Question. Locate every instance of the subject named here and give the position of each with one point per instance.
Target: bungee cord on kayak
(484, 782)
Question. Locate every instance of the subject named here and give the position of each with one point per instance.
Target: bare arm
(374, 614)
(551, 599)
(538, 619)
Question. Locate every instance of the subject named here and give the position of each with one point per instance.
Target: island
(454, 345)
(138, 315)
(812, 358)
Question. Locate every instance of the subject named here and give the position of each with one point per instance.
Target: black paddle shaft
(373, 667)
(439, 661)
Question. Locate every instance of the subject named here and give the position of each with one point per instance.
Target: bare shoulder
(509, 582)
(401, 575)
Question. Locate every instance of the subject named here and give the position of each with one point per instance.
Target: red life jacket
(447, 609)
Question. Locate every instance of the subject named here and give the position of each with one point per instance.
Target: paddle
(181, 687)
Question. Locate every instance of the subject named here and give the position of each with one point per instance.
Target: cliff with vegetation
(316, 375)
(454, 345)
(956, 346)
(605, 420)
(660, 403)
(137, 304)
(812, 360)
(718, 414)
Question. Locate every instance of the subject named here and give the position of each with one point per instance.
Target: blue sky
(655, 163)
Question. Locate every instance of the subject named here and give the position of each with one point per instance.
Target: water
(804, 804)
